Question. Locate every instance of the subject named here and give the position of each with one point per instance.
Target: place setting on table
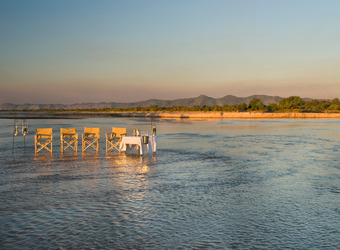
(140, 140)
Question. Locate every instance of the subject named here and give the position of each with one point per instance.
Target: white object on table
(137, 140)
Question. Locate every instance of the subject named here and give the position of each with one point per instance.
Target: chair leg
(47, 145)
(93, 144)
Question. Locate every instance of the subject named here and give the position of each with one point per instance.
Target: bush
(256, 104)
(292, 102)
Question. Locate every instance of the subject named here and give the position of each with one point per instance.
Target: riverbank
(166, 115)
(235, 115)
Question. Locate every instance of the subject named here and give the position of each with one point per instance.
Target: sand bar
(233, 115)
(169, 115)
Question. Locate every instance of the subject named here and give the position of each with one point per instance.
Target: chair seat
(69, 135)
(113, 138)
(43, 137)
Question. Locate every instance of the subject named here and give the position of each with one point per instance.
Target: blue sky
(70, 51)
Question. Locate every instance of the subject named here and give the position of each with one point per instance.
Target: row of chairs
(69, 139)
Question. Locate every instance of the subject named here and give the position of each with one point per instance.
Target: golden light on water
(145, 168)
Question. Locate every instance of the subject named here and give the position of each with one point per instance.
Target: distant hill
(186, 102)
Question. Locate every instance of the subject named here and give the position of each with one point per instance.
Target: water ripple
(212, 185)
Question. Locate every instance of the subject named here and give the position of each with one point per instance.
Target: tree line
(293, 104)
(289, 104)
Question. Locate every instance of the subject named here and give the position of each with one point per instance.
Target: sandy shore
(170, 115)
(233, 115)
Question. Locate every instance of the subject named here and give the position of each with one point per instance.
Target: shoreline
(166, 115)
(243, 115)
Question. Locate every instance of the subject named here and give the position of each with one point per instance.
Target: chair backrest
(44, 132)
(68, 131)
(120, 132)
(93, 131)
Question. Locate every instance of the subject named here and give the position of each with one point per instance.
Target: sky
(77, 51)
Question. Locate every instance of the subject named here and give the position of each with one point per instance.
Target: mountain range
(186, 102)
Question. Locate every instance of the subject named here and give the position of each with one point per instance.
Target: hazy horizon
(80, 51)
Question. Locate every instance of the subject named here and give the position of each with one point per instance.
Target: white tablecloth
(137, 140)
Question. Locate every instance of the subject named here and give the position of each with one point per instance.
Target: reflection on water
(215, 184)
(44, 157)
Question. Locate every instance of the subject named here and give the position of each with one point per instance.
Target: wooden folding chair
(69, 138)
(43, 139)
(114, 138)
(90, 138)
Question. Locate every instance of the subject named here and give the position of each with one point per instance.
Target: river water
(213, 184)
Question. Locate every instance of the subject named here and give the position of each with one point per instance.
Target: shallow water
(213, 184)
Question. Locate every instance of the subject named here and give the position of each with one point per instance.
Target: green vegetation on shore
(289, 104)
